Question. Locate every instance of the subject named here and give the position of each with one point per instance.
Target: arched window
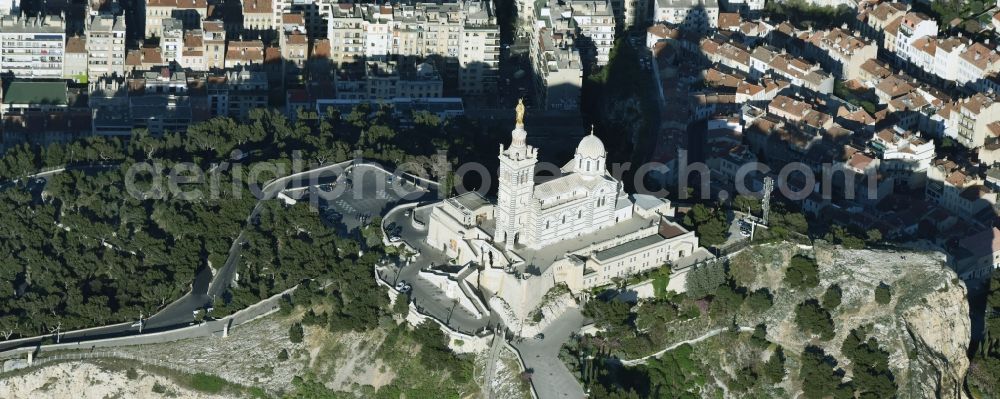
(546, 224)
(564, 219)
(579, 214)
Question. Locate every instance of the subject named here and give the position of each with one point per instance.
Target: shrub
(132, 374)
(295, 333)
(883, 294)
(159, 388)
(207, 383)
(283, 355)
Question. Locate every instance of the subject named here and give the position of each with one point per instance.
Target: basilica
(579, 229)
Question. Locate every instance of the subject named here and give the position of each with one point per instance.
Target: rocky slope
(925, 328)
(83, 380)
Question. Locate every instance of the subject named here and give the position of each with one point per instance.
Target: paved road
(550, 376)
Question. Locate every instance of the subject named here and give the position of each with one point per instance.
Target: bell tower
(517, 183)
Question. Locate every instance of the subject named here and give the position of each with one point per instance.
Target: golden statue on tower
(519, 111)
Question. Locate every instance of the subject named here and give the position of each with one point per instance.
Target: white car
(400, 285)
(394, 239)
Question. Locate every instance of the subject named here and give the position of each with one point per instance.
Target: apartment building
(595, 25)
(840, 52)
(105, 46)
(463, 37)
(75, 60)
(969, 119)
(189, 12)
(143, 59)
(558, 72)
(878, 19)
(975, 64)
(904, 155)
(172, 39)
(346, 33)
(159, 101)
(107, 100)
(259, 18)
(245, 52)
(294, 53)
(32, 47)
(236, 93)
(696, 15)
(976, 255)
(479, 56)
(912, 27)
(314, 15)
(193, 51)
(958, 190)
(214, 39)
(381, 80)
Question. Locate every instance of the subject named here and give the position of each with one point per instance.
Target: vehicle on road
(539, 336)
(401, 285)
(394, 239)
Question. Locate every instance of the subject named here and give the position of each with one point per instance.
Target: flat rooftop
(627, 247)
(544, 257)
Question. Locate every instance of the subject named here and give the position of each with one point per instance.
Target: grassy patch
(207, 383)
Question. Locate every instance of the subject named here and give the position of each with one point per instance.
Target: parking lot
(362, 193)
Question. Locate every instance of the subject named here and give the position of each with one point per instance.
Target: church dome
(591, 147)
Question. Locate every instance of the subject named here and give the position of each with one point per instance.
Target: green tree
(402, 305)
(870, 365)
(296, 333)
(812, 319)
(709, 223)
(611, 314)
(759, 301)
(802, 273)
(703, 279)
(725, 301)
(832, 297)
(821, 376)
(675, 375)
(773, 370)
